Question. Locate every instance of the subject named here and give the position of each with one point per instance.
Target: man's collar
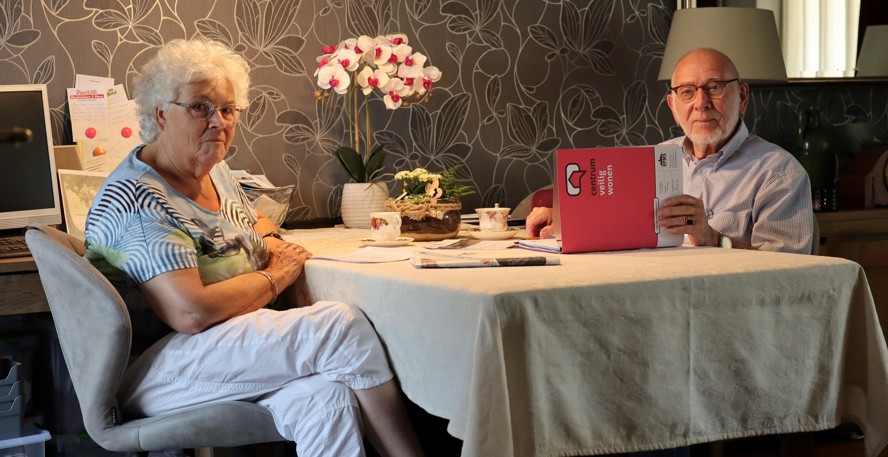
(723, 154)
(740, 137)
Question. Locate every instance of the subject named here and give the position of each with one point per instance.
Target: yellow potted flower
(429, 204)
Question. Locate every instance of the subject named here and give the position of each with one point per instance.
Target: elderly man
(741, 191)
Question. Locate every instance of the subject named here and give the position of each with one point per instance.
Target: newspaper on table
(475, 259)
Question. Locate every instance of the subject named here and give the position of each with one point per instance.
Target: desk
(626, 351)
(20, 287)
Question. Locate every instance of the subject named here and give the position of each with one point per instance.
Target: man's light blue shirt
(753, 191)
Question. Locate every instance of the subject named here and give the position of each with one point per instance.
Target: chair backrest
(815, 232)
(95, 334)
(91, 320)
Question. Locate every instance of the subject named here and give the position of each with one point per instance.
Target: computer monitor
(28, 184)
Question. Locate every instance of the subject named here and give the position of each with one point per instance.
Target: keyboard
(13, 246)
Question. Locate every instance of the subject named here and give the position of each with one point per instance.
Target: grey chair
(815, 233)
(95, 334)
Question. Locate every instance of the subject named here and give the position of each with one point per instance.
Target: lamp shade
(748, 36)
(873, 60)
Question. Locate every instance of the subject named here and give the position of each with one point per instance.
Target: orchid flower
(368, 79)
(356, 66)
(380, 55)
(349, 43)
(348, 59)
(410, 68)
(402, 51)
(364, 44)
(396, 38)
(392, 100)
(333, 76)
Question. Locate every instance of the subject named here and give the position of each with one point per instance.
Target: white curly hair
(181, 62)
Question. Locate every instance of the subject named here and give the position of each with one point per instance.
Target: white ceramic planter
(361, 199)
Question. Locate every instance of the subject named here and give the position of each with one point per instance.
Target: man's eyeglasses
(203, 110)
(714, 89)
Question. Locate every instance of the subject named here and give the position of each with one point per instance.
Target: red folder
(606, 199)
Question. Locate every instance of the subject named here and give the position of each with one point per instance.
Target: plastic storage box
(11, 400)
(26, 446)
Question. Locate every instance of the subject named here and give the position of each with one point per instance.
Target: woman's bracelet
(273, 234)
(270, 278)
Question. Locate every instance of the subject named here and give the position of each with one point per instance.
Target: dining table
(616, 352)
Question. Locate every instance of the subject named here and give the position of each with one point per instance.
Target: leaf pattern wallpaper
(521, 78)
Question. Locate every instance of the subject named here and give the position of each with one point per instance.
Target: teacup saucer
(493, 235)
(400, 241)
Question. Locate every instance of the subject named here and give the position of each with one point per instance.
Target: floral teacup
(385, 225)
(493, 219)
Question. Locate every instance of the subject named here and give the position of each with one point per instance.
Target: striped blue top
(753, 191)
(139, 227)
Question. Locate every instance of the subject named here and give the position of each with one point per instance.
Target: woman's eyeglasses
(714, 89)
(203, 110)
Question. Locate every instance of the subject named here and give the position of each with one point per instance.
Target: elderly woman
(171, 223)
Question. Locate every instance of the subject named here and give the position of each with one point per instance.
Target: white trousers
(302, 364)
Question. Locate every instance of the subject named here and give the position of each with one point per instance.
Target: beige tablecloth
(618, 352)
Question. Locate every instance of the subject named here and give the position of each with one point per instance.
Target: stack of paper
(544, 245)
(272, 201)
(104, 122)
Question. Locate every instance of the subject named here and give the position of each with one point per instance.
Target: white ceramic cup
(385, 225)
(493, 219)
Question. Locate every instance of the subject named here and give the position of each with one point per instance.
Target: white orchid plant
(385, 64)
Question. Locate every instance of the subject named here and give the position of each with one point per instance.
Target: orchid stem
(366, 126)
(355, 116)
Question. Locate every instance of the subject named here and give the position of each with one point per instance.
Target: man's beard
(717, 135)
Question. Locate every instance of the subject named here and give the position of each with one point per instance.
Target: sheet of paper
(370, 254)
(92, 82)
(544, 245)
(244, 178)
(472, 243)
(102, 156)
(89, 114)
(123, 115)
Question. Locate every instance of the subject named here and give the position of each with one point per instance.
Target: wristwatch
(725, 241)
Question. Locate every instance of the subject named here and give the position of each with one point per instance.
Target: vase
(359, 199)
(814, 152)
(428, 221)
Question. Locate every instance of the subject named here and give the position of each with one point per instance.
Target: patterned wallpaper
(521, 78)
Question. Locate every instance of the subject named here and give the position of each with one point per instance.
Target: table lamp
(873, 60)
(748, 36)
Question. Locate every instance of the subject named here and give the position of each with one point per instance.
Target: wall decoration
(524, 78)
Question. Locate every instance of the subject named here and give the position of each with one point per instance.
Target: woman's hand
(286, 261)
(265, 227)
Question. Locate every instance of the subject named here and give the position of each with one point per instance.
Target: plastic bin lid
(8, 392)
(8, 370)
(14, 408)
(40, 437)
